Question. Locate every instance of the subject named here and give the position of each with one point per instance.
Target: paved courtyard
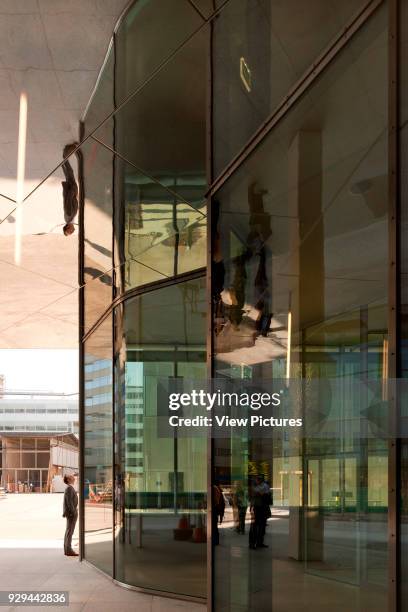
(31, 536)
(35, 519)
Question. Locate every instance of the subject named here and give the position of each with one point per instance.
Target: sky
(53, 370)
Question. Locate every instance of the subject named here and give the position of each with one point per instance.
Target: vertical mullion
(209, 334)
(113, 295)
(81, 364)
(393, 310)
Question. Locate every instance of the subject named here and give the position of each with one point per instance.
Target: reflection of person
(69, 192)
(220, 504)
(234, 283)
(260, 511)
(218, 509)
(239, 502)
(70, 512)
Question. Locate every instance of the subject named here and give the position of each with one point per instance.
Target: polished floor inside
(268, 579)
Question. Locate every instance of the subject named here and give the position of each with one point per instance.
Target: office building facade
(35, 462)
(38, 439)
(36, 411)
(244, 217)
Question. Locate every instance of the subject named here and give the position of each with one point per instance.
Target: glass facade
(97, 461)
(238, 223)
(144, 241)
(274, 44)
(303, 234)
(403, 293)
(161, 482)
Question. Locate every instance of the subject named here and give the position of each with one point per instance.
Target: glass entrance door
(332, 533)
(348, 495)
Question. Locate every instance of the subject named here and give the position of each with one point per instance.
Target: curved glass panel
(162, 129)
(158, 236)
(98, 447)
(300, 288)
(136, 37)
(97, 162)
(160, 172)
(160, 483)
(140, 50)
(102, 102)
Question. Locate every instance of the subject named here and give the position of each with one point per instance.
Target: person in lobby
(240, 505)
(70, 512)
(218, 509)
(260, 511)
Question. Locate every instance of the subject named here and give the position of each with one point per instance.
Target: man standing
(70, 512)
(260, 512)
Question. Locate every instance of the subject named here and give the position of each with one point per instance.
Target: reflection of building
(273, 118)
(98, 382)
(29, 461)
(133, 427)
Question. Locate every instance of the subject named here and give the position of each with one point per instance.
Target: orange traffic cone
(183, 522)
(183, 531)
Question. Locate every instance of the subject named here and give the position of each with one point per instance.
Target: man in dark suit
(69, 191)
(70, 512)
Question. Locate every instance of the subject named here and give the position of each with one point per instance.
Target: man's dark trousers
(69, 532)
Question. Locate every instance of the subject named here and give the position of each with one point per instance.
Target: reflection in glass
(137, 38)
(300, 291)
(48, 268)
(160, 537)
(160, 172)
(158, 235)
(261, 49)
(98, 261)
(102, 102)
(6, 208)
(98, 447)
(162, 129)
(403, 322)
(207, 7)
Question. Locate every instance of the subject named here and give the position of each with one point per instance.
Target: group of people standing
(257, 497)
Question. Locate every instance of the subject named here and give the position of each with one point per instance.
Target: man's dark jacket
(70, 502)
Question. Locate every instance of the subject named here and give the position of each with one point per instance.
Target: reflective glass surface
(403, 245)
(261, 48)
(102, 102)
(97, 163)
(159, 169)
(140, 51)
(300, 291)
(161, 130)
(135, 37)
(98, 447)
(160, 510)
(6, 207)
(157, 235)
(160, 172)
(39, 295)
(207, 7)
